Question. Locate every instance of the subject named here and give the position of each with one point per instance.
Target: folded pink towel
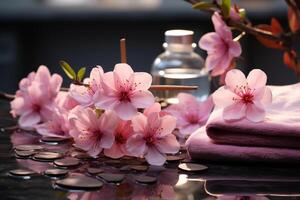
(281, 127)
(201, 147)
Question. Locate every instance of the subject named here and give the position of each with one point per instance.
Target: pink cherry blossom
(84, 95)
(123, 131)
(190, 113)
(153, 137)
(35, 99)
(124, 91)
(243, 97)
(90, 132)
(220, 47)
(154, 108)
(58, 125)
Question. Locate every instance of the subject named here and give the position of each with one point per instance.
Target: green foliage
(68, 70)
(80, 74)
(203, 5)
(225, 6)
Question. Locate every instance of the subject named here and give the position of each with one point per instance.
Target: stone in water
(47, 156)
(145, 179)
(24, 154)
(191, 167)
(80, 183)
(141, 168)
(94, 171)
(22, 173)
(67, 162)
(28, 147)
(56, 172)
(53, 139)
(112, 178)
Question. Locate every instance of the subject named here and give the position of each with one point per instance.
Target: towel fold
(281, 127)
(201, 147)
(274, 140)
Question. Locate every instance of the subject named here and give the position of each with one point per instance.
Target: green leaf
(80, 74)
(68, 69)
(226, 7)
(242, 13)
(203, 5)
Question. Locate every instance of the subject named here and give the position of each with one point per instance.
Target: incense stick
(123, 50)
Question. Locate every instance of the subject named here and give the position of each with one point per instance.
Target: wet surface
(32, 168)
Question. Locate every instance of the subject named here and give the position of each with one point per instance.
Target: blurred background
(87, 32)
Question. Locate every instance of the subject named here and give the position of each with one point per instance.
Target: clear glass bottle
(180, 65)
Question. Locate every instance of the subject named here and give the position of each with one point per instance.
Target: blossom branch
(285, 38)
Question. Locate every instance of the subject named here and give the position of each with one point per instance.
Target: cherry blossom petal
(154, 157)
(29, 119)
(168, 144)
(255, 113)
(257, 79)
(151, 109)
(139, 123)
(104, 101)
(189, 129)
(125, 110)
(223, 64)
(142, 98)
(235, 78)
(124, 71)
(94, 151)
(114, 152)
(217, 21)
(108, 121)
(55, 83)
(136, 145)
(37, 91)
(142, 80)
(107, 139)
(235, 111)
(167, 125)
(212, 61)
(108, 83)
(223, 97)
(235, 49)
(205, 108)
(154, 121)
(96, 76)
(208, 41)
(43, 74)
(187, 99)
(80, 94)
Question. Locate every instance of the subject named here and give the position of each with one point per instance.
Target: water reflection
(219, 182)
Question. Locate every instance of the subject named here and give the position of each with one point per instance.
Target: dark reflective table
(220, 181)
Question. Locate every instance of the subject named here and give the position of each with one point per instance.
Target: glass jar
(180, 65)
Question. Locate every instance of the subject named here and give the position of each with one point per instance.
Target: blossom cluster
(115, 113)
(100, 116)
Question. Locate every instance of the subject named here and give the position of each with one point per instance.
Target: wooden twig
(6, 96)
(248, 28)
(123, 50)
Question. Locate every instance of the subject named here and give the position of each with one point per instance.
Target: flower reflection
(35, 166)
(129, 190)
(23, 137)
